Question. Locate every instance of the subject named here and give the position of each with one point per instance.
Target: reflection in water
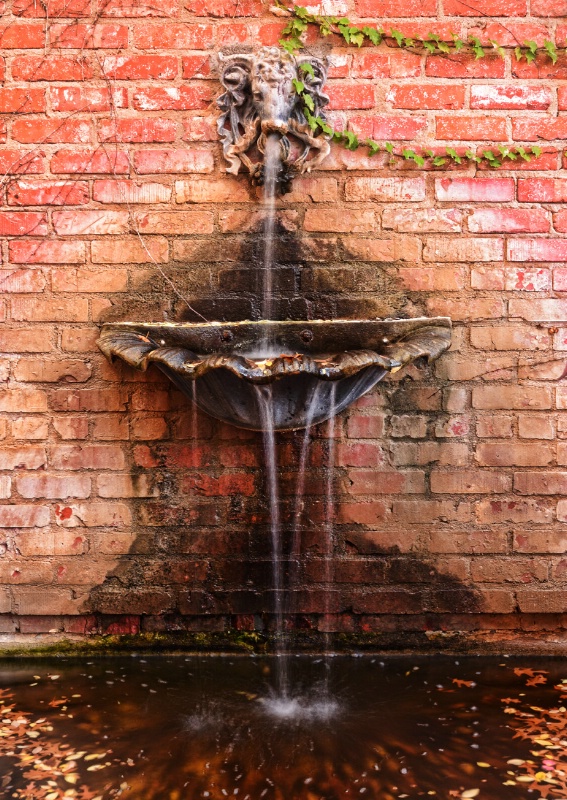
(188, 728)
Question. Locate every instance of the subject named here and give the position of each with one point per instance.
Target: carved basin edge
(394, 344)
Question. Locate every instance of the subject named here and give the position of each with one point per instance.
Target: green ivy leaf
(308, 100)
(352, 140)
(390, 148)
(291, 45)
(357, 38)
(298, 85)
(477, 47)
(518, 53)
(522, 153)
(324, 126)
(458, 44)
(305, 66)
(372, 34)
(536, 150)
(498, 47)
(550, 50)
(430, 46)
(444, 47)
(472, 156)
(373, 146)
(439, 161)
(453, 154)
(397, 35)
(429, 153)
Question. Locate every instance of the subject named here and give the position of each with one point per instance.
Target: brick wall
(121, 507)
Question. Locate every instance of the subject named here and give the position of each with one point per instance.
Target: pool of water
(181, 728)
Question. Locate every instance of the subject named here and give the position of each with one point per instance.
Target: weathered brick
(51, 131)
(90, 161)
(508, 454)
(183, 222)
(85, 98)
(45, 193)
(24, 516)
(211, 191)
(111, 191)
(463, 65)
(137, 130)
(463, 249)
(173, 161)
(135, 250)
(385, 189)
(80, 36)
(95, 456)
(512, 97)
(390, 128)
(23, 223)
(55, 310)
(174, 35)
(468, 129)
(138, 67)
(512, 397)
(509, 220)
(427, 220)
(51, 68)
(494, 190)
(53, 486)
(470, 482)
(417, 97)
(42, 371)
(29, 457)
(46, 252)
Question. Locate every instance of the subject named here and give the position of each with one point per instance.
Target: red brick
(542, 602)
(89, 280)
(194, 221)
(467, 129)
(542, 68)
(487, 8)
(51, 8)
(44, 310)
(560, 221)
(426, 220)
(562, 98)
(84, 98)
(51, 131)
(87, 456)
(539, 310)
(494, 190)
(110, 191)
(426, 96)
(370, 65)
(26, 340)
(139, 8)
(138, 68)
(24, 516)
(509, 220)
(383, 127)
(542, 190)
(79, 36)
(396, 8)
(430, 452)
(46, 252)
(94, 515)
(376, 482)
(549, 8)
(173, 161)
(225, 8)
(537, 250)
(88, 400)
(513, 454)
(174, 35)
(499, 570)
(137, 130)
(510, 33)
(54, 486)
(512, 397)
(195, 67)
(424, 512)
(212, 191)
(534, 130)
(148, 428)
(28, 457)
(135, 250)
(80, 340)
(79, 223)
(182, 98)
(360, 513)
(513, 97)
(22, 400)
(90, 161)
(42, 371)
(23, 223)
(71, 427)
(52, 68)
(110, 427)
(464, 66)
(424, 279)
(463, 249)
(385, 189)
(21, 101)
(18, 281)
(470, 482)
(519, 279)
(126, 486)
(200, 129)
(21, 162)
(350, 96)
(22, 37)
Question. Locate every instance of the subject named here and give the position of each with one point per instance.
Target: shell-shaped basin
(309, 369)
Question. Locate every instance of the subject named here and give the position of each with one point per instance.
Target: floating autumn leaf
(537, 680)
(460, 683)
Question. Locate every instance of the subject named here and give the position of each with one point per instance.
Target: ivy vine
(301, 19)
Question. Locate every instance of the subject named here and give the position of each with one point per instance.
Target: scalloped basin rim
(212, 362)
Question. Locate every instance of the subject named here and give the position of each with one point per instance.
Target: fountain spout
(260, 100)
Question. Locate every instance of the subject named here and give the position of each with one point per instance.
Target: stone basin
(306, 370)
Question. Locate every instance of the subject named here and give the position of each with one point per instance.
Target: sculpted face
(260, 99)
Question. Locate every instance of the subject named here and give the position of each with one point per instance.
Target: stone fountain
(264, 127)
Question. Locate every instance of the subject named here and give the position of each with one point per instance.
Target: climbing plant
(299, 21)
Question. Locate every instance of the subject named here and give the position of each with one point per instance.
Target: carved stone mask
(260, 99)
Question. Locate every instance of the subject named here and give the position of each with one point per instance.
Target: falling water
(329, 517)
(295, 551)
(194, 424)
(266, 409)
(272, 164)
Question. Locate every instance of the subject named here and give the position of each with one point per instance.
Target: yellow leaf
(470, 793)
(73, 777)
(483, 764)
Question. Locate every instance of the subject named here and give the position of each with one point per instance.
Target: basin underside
(301, 371)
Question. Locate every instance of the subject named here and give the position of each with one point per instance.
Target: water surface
(176, 728)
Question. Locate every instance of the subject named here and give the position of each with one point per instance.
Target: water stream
(272, 165)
